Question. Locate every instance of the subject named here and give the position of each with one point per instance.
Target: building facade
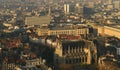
(78, 9)
(116, 4)
(68, 31)
(75, 52)
(28, 65)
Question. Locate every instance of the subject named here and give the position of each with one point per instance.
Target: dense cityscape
(59, 34)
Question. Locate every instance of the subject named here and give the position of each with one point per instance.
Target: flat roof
(36, 20)
(116, 26)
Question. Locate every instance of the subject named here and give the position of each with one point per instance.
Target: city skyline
(59, 34)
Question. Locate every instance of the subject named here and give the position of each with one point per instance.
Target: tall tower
(66, 8)
(49, 11)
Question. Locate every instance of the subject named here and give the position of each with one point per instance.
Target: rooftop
(116, 26)
(37, 20)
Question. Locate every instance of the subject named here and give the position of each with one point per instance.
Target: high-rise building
(66, 8)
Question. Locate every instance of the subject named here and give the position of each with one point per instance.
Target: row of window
(80, 31)
(10, 66)
(71, 50)
(72, 60)
(76, 60)
(76, 54)
(34, 63)
(61, 32)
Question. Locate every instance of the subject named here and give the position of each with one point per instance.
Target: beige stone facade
(74, 52)
(76, 31)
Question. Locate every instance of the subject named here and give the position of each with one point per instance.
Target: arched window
(83, 59)
(80, 59)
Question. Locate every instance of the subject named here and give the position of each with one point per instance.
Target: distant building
(31, 64)
(116, 4)
(110, 6)
(69, 8)
(78, 9)
(28, 65)
(66, 29)
(72, 51)
(118, 51)
(110, 2)
(75, 52)
(66, 8)
(10, 66)
(91, 4)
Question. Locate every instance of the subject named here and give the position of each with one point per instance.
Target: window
(85, 59)
(77, 60)
(67, 61)
(56, 61)
(82, 59)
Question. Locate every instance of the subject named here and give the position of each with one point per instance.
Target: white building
(66, 8)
